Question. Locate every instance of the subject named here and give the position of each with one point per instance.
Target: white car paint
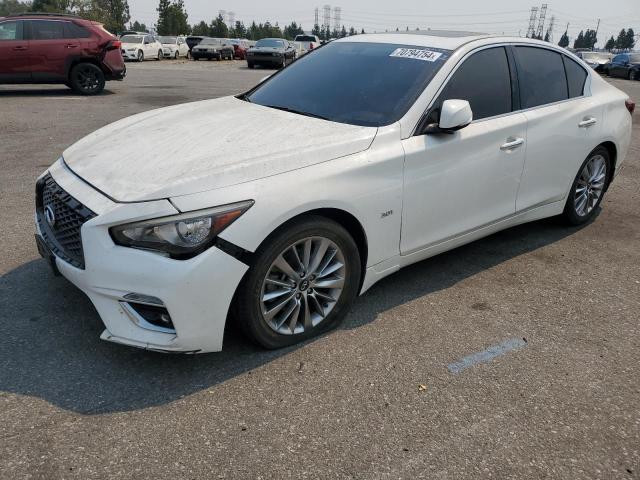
(414, 196)
(179, 46)
(148, 45)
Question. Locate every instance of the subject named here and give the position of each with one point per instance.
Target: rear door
(618, 66)
(14, 52)
(50, 51)
(562, 123)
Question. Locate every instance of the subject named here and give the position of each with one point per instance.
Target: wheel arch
(78, 60)
(613, 156)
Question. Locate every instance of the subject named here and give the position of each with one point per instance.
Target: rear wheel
(633, 75)
(86, 79)
(301, 284)
(588, 187)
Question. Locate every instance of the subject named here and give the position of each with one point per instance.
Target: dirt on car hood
(201, 146)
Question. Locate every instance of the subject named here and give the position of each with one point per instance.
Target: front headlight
(180, 236)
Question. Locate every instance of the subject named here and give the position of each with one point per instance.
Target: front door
(456, 183)
(14, 52)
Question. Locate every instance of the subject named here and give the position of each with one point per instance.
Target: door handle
(512, 144)
(20, 47)
(71, 45)
(587, 122)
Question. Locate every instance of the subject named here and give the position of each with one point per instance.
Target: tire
(176, 56)
(86, 79)
(195, 59)
(593, 182)
(251, 307)
(160, 55)
(250, 65)
(140, 56)
(633, 75)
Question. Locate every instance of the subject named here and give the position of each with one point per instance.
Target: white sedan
(400, 146)
(174, 47)
(141, 47)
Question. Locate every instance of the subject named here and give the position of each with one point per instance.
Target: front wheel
(250, 65)
(588, 187)
(302, 283)
(633, 75)
(140, 56)
(160, 55)
(176, 56)
(87, 79)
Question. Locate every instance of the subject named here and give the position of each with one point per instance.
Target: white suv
(332, 187)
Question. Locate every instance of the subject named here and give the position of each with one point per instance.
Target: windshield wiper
(297, 112)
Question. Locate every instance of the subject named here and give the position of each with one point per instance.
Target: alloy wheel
(590, 185)
(302, 285)
(87, 79)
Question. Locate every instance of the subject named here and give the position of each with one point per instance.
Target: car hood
(205, 145)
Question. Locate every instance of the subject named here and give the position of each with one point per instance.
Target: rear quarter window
(541, 76)
(576, 77)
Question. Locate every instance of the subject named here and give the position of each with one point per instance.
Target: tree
(631, 40)
(590, 39)
(238, 30)
(546, 36)
(138, 27)
(352, 32)
(218, 28)
(363, 32)
(172, 18)
(291, 31)
(564, 40)
(611, 44)
(201, 29)
(343, 32)
(7, 7)
(621, 41)
(579, 41)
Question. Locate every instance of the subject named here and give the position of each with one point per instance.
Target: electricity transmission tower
(532, 22)
(337, 20)
(317, 17)
(232, 19)
(543, 14)
(327, 17)
(550, 29)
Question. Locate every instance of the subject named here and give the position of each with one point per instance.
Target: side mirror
(454, 116)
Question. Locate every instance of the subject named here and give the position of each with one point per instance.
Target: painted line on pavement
(486, 355)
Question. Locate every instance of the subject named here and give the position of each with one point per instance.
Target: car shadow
(50, 348)
(46, 92)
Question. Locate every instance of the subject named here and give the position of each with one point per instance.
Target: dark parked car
(596, 60)
(46, 48)
(193, 40)
(210, 48)
(271, 52)
(625, 65)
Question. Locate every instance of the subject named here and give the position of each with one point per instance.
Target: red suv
(47, 48)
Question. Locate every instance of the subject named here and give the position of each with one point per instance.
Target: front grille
(60, 219)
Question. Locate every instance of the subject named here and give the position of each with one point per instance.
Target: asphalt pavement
(513, 357)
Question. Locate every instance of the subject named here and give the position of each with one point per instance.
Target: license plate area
(45, 252)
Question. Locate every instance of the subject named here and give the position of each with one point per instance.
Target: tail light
(114, 45)
(311, 46)
(631, 106)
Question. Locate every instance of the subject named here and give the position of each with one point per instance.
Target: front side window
(47, 30)
(619, 59)
(484, 81)
(576, 77)
(9, 31)
(359, 83)
(541, 76)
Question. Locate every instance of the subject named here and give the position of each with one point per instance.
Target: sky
(510, 17)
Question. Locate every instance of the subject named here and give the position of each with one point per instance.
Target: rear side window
(71, 30)
(484, 81)
(576, 77)
(47, 30)
(10, 31)
(541, 76)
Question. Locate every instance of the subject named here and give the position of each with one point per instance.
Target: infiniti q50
(399, 147)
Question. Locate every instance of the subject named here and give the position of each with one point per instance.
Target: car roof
(445, 39)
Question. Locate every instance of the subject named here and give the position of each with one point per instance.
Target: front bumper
(168, 53)
(265, 60)
(130, 55)
(205, 54)
(197, 293)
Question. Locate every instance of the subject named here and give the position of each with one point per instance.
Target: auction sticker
(416, 54)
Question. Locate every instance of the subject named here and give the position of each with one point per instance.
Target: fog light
(158, 316)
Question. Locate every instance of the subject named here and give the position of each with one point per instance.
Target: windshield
(368, 84)
(132, 39)
(210, 41)
(168, 39)
(634, 58)
(270, 43)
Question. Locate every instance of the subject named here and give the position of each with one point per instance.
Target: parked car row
(625, 65)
